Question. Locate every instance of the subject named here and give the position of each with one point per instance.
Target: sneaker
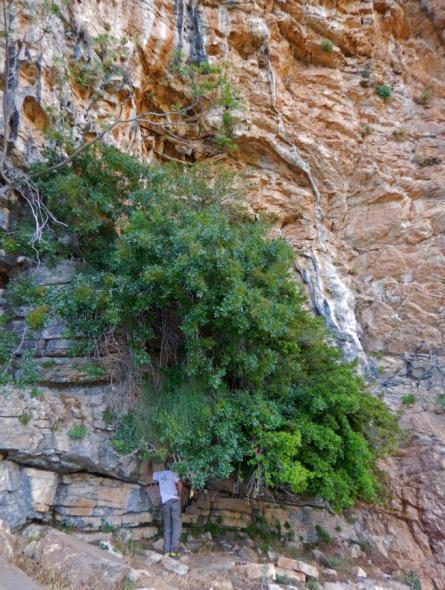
(174, 554)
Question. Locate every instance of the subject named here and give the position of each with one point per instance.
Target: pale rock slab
(174, 566)
(82, 564)
(297, 566)
(256, 571)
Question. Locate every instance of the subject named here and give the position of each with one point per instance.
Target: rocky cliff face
(356, 182)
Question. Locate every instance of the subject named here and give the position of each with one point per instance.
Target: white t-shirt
(167, 484)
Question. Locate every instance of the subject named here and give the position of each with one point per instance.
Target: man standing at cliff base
(170, 488)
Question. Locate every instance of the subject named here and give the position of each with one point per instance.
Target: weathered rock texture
(76, 564)
(357, 184)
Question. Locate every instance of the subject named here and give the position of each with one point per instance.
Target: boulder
(297, 566)
(257, 571)
(176, 567)
(248, 554)
(359, 572)
(25, 493)
(152, 557)
(81, 564)
(139, 577)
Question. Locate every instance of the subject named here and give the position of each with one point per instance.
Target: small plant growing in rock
(440, 401)
(384, 91)
(78, 432)
(36, 393)
(283, 579)
(334, 562)
(399, 134)
(24, 418)
(35, 320)
(323, 536)
(327, 45)
(94, 371)
(409, 399)
(108, 416)
(98, 70)
(55, 426)
(28, 373)
(49, 364)
(423, 161)
(366, 74)
(225, 142)
(366, 130)
(424, 97)
(411, 579)
(106, 527)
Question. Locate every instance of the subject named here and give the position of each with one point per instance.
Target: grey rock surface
(80, 563)
(37, 431)
(11, 578)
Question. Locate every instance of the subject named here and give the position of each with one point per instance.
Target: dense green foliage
(384, 91)
(239, 376)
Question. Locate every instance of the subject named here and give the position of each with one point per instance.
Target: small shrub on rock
(384, 91)
(327, 45)
(409, 399)
(24, 418)
(424, 97)
(78, 432)
(411, 579)
(323, 536)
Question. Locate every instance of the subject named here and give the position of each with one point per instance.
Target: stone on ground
(248, 554)
(359, 572)
(153, 556)
(298, 566)
(176, 567)
(138, 577)
(80, 563)
(158, 545)
(256, 571)
(330, 573)
(215, 564)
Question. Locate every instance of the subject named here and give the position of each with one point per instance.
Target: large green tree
(238, 377)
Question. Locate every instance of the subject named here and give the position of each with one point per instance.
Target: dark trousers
(171, 514)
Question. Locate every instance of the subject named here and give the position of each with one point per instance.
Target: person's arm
(179, 487)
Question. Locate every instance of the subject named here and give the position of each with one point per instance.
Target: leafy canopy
(238, 377)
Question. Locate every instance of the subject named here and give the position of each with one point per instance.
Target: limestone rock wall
(356, 183)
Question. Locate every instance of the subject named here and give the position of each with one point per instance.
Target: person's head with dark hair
(169, 462)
